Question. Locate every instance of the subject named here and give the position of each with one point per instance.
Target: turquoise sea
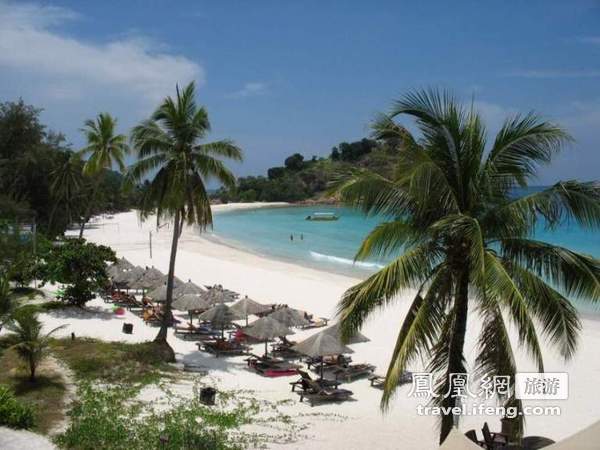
(331, 246)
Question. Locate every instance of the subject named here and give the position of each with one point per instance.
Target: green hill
(300, 179)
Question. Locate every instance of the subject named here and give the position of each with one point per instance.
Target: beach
(354, 424)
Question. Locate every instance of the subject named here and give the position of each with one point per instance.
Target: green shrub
(14, 413)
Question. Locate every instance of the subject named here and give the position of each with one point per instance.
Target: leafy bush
(110, 418)
(14, 413)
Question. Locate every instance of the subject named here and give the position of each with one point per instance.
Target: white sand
(318, 292)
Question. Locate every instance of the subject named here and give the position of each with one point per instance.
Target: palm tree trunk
(457, 342)
(167, 319)
(51, 218)
(32, 367)
(88, 209)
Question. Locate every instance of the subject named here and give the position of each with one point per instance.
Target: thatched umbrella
(247, 306)
(151, 278)
(220, 316)
(189, 303)
(334, 331)
(128, 277)
(289, 316)
(159, 294)
(217, 295)
(188, 288)
(121, 265)
(267, 328)
(319, 345)
(458, 441)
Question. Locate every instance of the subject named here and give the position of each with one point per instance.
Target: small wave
(345, 261)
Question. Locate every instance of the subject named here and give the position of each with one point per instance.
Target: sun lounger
(223, 348)
(329, 362)
(353, 371)
(317, 323)
(315, 393)
(378, 381)
(324, 383)
(270, 367)
(191, 332)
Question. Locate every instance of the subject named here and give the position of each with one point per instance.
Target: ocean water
(331, 246)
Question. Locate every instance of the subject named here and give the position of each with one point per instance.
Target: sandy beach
(355, 424)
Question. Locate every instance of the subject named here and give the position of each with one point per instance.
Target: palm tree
(66, 182)
(32, 344)
(7, 302)
(168, 146)
(105, 149)
(460, 237)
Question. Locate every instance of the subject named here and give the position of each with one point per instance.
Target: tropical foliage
(13, 412)
(80, 265)
(169, 148)
(463, 240)
(7, 301)
(31, 344)
(104, 148)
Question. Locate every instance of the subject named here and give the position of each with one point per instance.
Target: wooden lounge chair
(191, 332)
(378, 381)
(221, 347)
(493, 440)
(329, 362)
(270, 367)
(324, 383)
(314, 393)
(353, 371)
(315, 323)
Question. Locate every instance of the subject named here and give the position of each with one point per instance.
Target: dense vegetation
(299, 179)
(41, 176)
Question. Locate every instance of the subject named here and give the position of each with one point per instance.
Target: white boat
(324, 216)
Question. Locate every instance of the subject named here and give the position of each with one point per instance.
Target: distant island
(307, 180)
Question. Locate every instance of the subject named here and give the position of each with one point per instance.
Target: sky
(283, 76)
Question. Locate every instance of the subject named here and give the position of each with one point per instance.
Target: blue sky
(280, 77)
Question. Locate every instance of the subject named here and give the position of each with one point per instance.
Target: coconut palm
(104, 148)
(168, 146)
(31, 344)
(66, 182)
(457, 234)
(7, 301)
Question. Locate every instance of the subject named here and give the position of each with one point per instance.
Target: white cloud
(250, 89)
(66, 67)
(552, 73)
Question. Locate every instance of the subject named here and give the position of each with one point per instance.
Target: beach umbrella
(458, 441)
(220, 316)
(149, 279)
(189, 303)
(267, 328)
(334, 331)
(247, 306)
(586, 439)
(159, 294)
(217, 295)
(319, 345)
(289, 316)
(188, 288)
(127, 277)
(120, 265)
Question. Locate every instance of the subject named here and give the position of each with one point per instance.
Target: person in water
(301, 237)
(291, 237)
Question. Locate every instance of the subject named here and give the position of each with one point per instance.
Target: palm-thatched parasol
(151, 278)
(247, 306)
(220, 316)
(159, 294)
(289, 317)
(119, 266)
(319, 345)
(267, 328)
(127, 277)
(217, 295)
(189, 303)
(334, 331)
(188, 288)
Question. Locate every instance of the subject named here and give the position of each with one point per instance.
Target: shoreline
(272, 281)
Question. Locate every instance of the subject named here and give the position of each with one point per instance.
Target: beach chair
(378, 381)
(314, 393)
(324, 383)
(329, 362)
(315, 323)
(270, 367)
(353, 371)
(191, 332)
(223, 348)
(493, 440)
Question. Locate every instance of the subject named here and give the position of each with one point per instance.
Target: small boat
(322, 216)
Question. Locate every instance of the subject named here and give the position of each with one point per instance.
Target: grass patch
(111, 362)
(45, 395)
